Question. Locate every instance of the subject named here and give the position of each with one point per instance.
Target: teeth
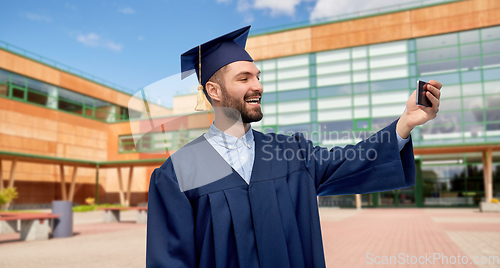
(256, 99)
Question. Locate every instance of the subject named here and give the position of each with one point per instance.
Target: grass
(85, 208)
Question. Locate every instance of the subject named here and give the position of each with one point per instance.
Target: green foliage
(7, 195)
(85, 208)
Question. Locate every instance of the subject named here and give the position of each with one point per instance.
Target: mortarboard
(214, 55)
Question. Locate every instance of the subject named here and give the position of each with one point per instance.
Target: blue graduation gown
(274, 220)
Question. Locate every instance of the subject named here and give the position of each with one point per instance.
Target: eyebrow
(246, 73)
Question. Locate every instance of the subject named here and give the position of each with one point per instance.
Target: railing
(63, 67)
(351, 16)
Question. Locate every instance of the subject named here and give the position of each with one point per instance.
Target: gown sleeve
(373, 165)
(170, 225)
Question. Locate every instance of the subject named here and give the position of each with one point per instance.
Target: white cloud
(94, 40)
(244, 5)
(37, 17)
(277, 7)
(113, 46)
(249, 18)
(90, 39)
(329, 8)
(126, 10)
(140, 38)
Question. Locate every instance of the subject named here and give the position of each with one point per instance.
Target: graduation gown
(273, 221)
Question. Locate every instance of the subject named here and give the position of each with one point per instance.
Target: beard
(234, 108)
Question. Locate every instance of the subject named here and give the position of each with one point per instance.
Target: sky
(136, 43)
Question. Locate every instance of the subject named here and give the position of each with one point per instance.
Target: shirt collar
(229, 141)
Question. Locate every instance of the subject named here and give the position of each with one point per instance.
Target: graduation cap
(214, 55)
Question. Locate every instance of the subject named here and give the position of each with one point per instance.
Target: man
(235, 197)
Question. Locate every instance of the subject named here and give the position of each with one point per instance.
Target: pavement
(402, 237)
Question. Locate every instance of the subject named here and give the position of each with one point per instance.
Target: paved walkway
(351, 239)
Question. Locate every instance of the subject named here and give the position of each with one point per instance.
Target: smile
(253, 100)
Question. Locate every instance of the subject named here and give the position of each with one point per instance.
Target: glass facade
(339, 97)
(29, 90)
(159, 141)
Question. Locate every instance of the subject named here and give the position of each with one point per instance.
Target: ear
(213, 90)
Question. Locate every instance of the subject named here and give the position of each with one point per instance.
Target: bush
(85, 208)
(6, 196)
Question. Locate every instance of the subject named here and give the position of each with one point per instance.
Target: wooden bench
(112, 214)
(34, 226)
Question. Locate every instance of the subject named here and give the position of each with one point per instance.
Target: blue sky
(135, 43)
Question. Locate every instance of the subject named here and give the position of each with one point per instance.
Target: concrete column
(358, 201)
(488, 175)
(32, 230)
(63, 183)
(111, 216)
(72, 187)
(129, 186)
(8, 227)
(142, 216)
(12, 173)
(120, 186)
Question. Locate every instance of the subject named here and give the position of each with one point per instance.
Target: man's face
(242, 91)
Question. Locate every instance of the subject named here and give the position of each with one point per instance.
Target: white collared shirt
(238, 153)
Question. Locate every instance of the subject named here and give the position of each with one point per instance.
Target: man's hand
(414, 114)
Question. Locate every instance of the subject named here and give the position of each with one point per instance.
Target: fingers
(435, 91)
(433, 99)
(436, 84)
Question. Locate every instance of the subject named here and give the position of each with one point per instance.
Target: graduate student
(235, 197)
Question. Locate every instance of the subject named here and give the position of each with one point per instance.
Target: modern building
(337, 81)
(341, 80)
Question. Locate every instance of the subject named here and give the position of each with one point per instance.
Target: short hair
(218, 78)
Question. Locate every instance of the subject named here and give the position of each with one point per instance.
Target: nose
(257, 86)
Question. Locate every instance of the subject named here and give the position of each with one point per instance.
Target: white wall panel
(269, 108)
(269, 64)
(388, 73)
(388, 110)
(330, 115)
(362, 112)
(268, 76)
(293, 61)
(294, 106)
(293, 72)
(334, 55)
(332, 103)
(390, 97)
(359, 52)
(269, 86)
(361, 100)
(269, 120)
(295, 118)
(333, 67)
(387, 48)
(333, 79)
(360, 64)
(293, 84)
(389, 60)
(359, 76)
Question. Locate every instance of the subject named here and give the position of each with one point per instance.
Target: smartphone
(421, 94)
